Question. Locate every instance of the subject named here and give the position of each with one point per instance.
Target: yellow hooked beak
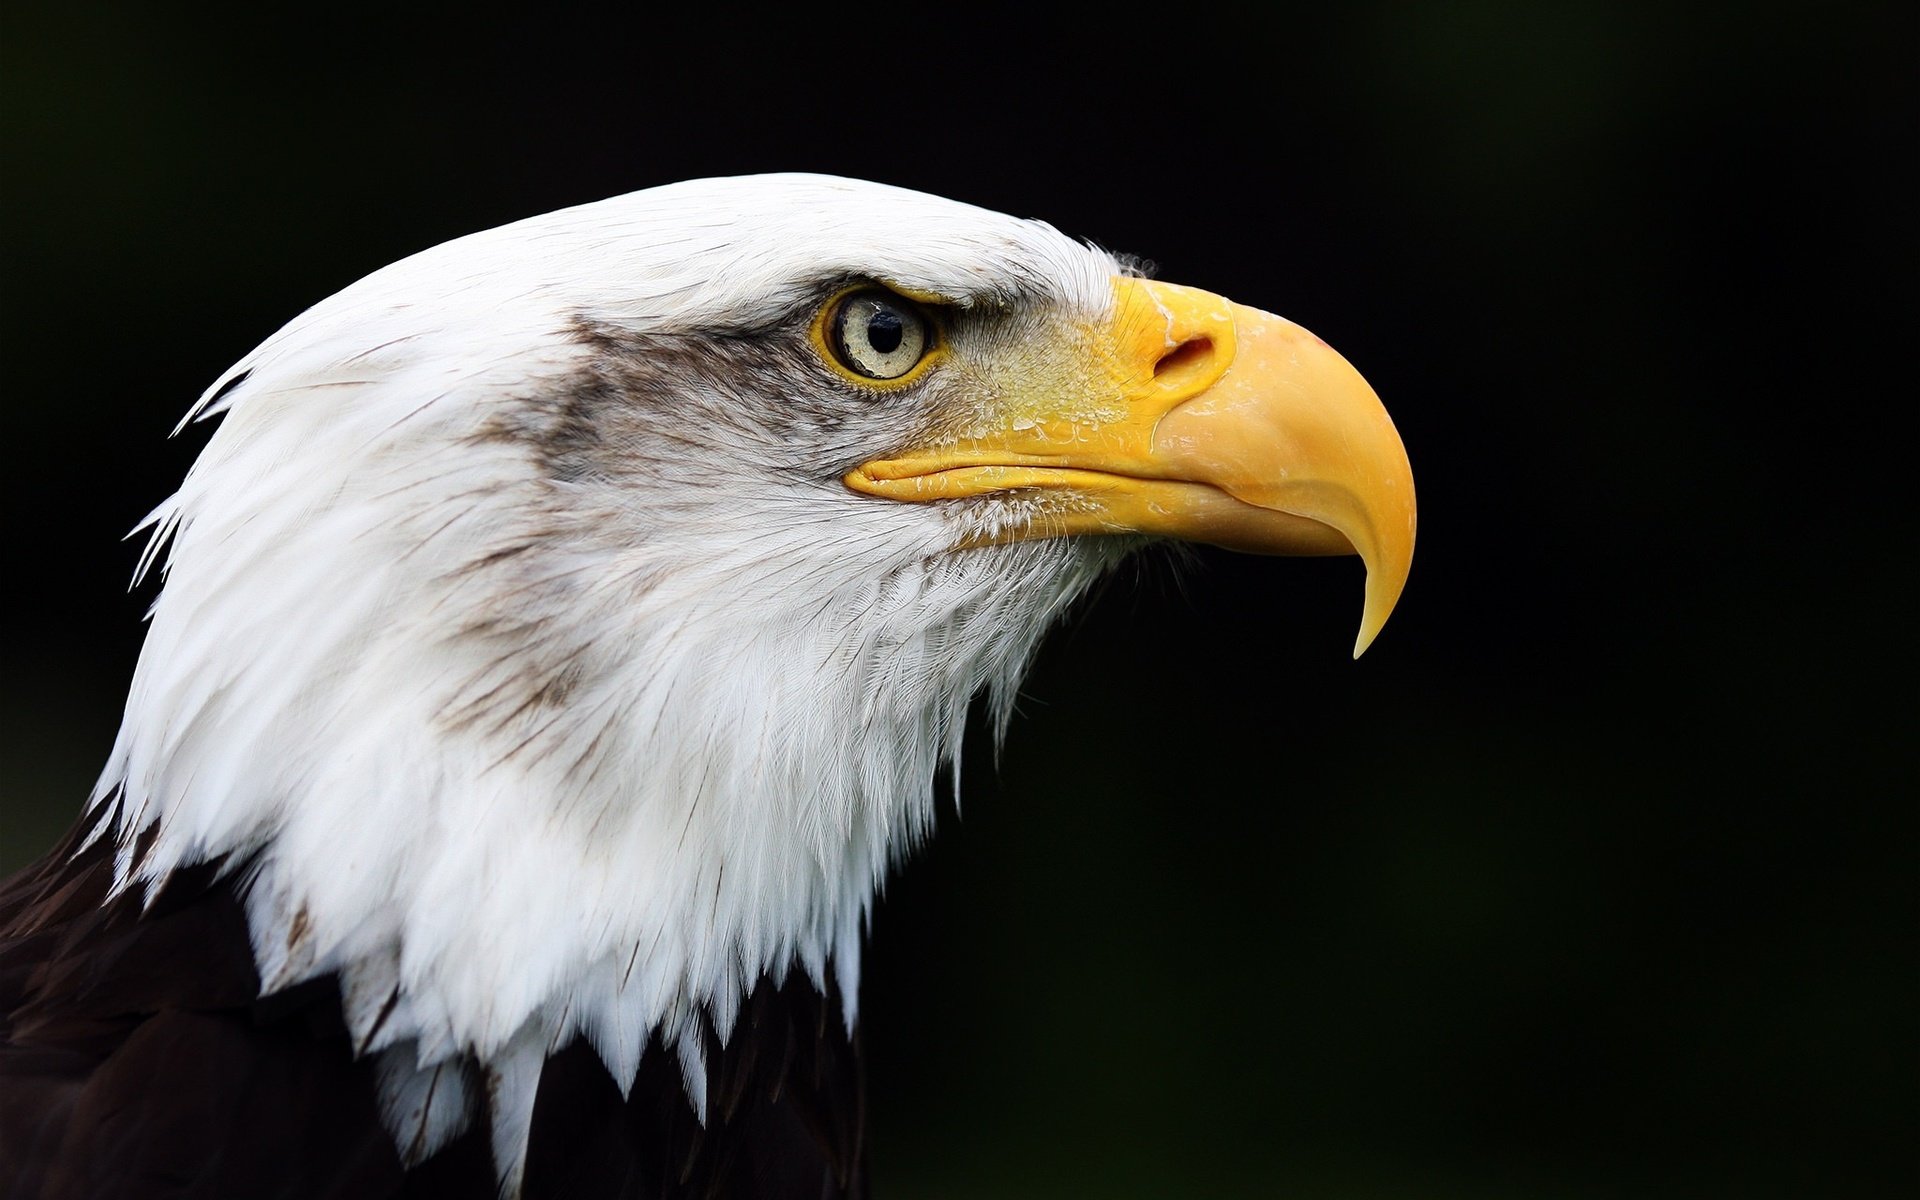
(1215, 423)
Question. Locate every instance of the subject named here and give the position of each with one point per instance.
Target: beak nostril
(1193, 352)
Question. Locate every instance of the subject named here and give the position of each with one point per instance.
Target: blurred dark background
(1593, 878)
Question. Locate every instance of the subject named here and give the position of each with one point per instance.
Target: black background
(1592, 878)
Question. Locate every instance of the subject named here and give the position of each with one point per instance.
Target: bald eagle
(562, 631)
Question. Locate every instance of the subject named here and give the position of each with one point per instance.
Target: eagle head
(564, 626)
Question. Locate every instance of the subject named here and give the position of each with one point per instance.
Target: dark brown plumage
(138, 1061)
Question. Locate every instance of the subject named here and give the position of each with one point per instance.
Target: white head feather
(546, 679)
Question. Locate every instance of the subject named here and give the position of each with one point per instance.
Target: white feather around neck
(522, 754)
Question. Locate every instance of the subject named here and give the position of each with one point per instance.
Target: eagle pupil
(885, 330)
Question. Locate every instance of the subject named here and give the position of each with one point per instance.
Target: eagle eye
(877, 334)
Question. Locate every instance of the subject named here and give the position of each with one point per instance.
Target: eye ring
(877, 335)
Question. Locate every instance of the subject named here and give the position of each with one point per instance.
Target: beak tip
(1383, 595)
(1365, 640)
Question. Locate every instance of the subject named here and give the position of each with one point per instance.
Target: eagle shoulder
(137, 1059)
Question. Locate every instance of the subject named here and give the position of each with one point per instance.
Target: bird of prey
(562, 631)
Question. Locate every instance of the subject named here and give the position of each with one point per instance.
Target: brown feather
(137, 1060)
